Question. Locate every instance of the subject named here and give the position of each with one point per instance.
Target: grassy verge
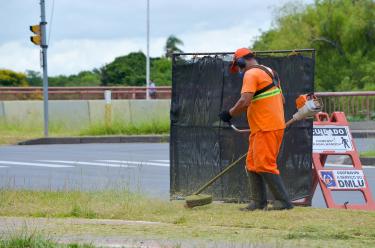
(13, 133)
(302, 227)
(25, 239)
(16, 132)
(368, 154)
(118, 128)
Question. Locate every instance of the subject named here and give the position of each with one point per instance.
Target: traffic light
(36, 39)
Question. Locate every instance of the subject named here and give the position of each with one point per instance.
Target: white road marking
(162, 161)
(348, 166)
(135, 162)
(35, 164)
(87, 163)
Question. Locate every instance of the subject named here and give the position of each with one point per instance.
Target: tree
(12, 78)
(83, 78)
(341, 31)
(34, 78)
(125, 70)
(171, 46)
(130, 70)
(161, 71)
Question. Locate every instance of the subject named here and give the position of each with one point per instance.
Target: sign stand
(331, 136)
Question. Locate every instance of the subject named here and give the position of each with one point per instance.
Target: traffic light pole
(44, 47)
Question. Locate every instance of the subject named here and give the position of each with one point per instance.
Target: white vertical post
(148, 52)
(108, 96)
(108, 108)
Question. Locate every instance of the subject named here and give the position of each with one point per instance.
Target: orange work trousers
(264, 148)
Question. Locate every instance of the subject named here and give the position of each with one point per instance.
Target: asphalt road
(137, 167)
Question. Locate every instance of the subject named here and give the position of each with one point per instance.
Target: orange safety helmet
(240, 53)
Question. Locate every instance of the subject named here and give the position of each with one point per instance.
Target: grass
(11, 133)
(16, 132)
(302, 227)
(117, 127)
(368, 154)
(25, 239)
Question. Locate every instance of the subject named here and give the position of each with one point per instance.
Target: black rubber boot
(258, 197)
(276, 186)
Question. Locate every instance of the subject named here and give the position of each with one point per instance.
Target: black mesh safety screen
(201, 145)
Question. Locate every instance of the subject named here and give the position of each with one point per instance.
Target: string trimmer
(308, 105)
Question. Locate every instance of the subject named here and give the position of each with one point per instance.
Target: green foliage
(342, 32)
(125, 70)
(161, 71)
(130, 70)
(84, 78)
(34, 78)
(12, 78)
(171, 46)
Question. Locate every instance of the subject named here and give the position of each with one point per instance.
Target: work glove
(225, 116)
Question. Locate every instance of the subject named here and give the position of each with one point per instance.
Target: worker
(262, 98)
(152, 90)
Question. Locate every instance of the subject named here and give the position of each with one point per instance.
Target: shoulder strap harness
(264, 92)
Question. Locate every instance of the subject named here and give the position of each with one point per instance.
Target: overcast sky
(87, 34)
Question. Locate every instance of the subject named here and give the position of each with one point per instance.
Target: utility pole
(40, 39)
(148, 52)
(44, 46)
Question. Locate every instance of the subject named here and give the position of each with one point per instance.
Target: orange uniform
(266, 120)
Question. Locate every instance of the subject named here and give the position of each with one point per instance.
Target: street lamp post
(148, 52)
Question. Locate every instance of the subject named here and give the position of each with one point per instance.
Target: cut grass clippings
(301, 227)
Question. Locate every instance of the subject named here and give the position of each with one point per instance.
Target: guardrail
(356, 105)
(81, 93)
(359, 105)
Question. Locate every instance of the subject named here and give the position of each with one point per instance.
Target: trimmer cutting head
(197, 200)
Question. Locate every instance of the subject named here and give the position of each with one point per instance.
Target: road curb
(136, 139)
(368, 161)
(98, 139)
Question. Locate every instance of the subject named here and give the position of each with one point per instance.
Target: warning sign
(343, 179)
(332, 138)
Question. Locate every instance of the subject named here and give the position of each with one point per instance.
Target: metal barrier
(81, 93)
(359, 105)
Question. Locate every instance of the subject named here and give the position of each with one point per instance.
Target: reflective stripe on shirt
(267, 94)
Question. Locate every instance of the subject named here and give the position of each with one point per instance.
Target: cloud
(73, 55)
(16, 56)
(87, 34)
(220, 40)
